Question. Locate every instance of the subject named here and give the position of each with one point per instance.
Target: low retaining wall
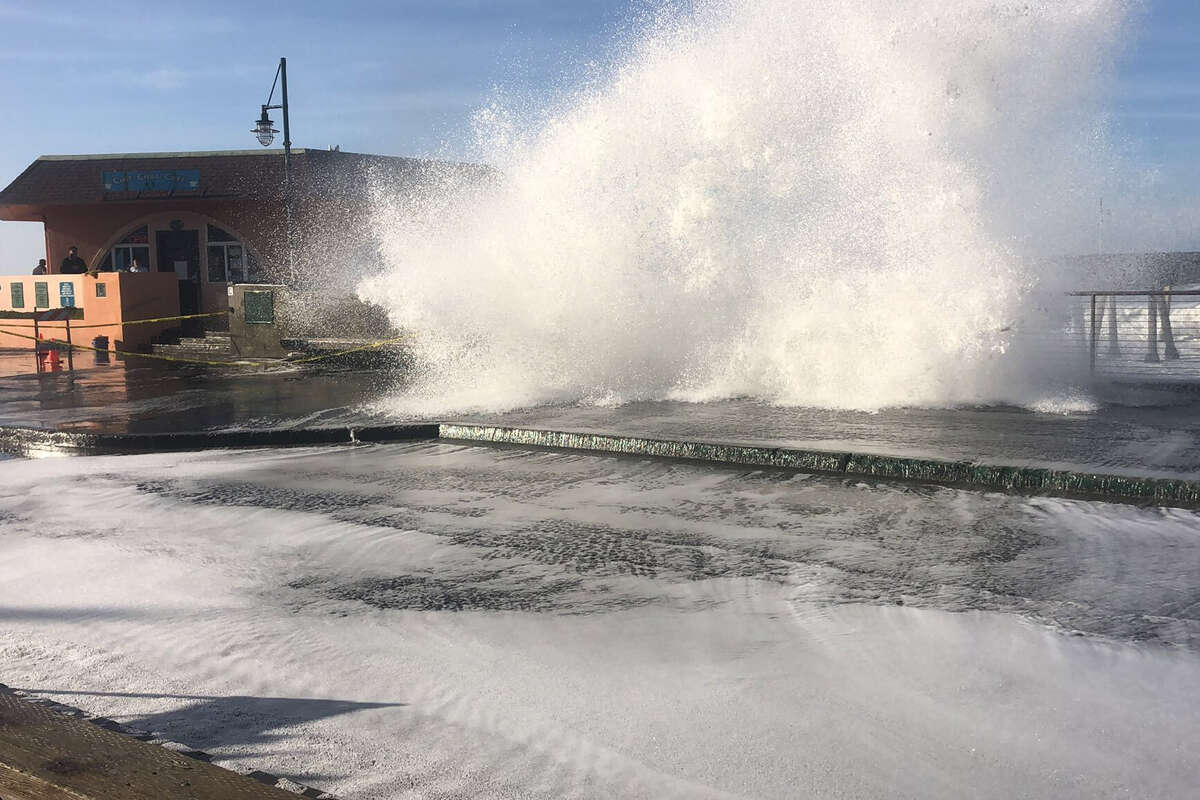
(33, 442)
(963, 474)
(1026, 480)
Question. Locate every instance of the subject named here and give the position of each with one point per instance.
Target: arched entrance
(205, 254)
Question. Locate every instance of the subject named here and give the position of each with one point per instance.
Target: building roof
(87, 179)
(183, 154)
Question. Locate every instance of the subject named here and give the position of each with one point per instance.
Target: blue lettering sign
(152, 180)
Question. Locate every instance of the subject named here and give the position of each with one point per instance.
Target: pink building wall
(110, 300)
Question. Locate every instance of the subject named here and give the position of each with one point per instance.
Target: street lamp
(264, 130)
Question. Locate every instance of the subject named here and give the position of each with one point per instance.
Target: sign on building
(153, 180)
(260, 308)
(66, 294)
(41, 294)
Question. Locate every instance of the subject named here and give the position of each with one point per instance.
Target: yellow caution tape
(240, 363)
(370, 346)
(155, 319)
(130, 322)
(158, 356)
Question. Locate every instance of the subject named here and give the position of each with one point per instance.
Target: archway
(206, 254)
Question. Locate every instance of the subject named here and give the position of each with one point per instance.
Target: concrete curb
(31, 441)
(961, 474)
(964, 474)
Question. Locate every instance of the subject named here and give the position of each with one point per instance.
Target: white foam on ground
(1077, 402)
(726, 687)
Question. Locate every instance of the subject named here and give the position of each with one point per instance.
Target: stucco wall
(94, 229)
(109, 301)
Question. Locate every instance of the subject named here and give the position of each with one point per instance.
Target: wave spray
(837, 203)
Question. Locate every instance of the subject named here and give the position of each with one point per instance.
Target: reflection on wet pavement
(141, 397)
(1136, 432)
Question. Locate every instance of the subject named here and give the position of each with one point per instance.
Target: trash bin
(100, 343)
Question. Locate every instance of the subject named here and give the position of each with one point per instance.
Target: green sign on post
(259, 308)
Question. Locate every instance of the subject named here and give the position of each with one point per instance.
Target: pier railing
(1143, 335)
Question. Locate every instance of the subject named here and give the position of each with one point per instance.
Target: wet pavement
(465, 621)
(1126, 432)
(146, 397)
(438, 620)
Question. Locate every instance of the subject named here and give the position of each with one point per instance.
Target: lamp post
(265, 131)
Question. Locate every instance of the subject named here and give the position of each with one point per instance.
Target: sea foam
(808, 202)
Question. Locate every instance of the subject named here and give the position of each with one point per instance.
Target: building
(213, 218)
(102, 305)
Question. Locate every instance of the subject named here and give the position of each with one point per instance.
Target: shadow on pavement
(208, 722)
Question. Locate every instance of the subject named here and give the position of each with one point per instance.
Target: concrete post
(1114, 349)
(1170, 352)
(1095, 334)
(1152, 329)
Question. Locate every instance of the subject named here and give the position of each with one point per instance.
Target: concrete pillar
(1170, 352)
(1114, 349)
(1152, 328)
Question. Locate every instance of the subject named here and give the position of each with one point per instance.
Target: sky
(404, 77)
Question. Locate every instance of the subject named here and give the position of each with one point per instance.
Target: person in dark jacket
(73, 264)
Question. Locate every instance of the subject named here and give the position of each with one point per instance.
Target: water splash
(810, 203)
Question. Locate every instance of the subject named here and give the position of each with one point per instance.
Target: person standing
(73, 264)
(40, 269)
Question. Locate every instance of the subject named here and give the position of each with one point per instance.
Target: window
(228, 259)
(216, 234)
(136, 244)
(139, 236)
(101, 289)
(18, 295)
(216, 263)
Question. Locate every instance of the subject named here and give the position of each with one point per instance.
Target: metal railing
(1145, 335)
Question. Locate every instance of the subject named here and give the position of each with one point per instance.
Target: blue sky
(403, 78)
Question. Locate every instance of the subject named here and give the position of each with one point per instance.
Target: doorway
(179, 252)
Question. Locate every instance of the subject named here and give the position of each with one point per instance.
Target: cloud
(47, 56)
(110, 23)
(43, 14)
(172, 78)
